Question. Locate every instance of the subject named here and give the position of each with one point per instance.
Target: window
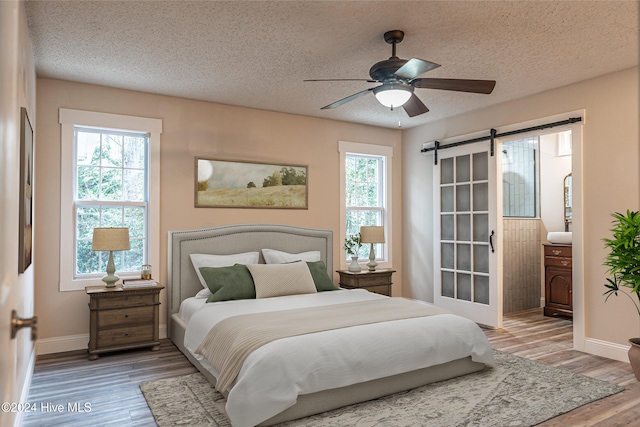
(520, 178)
(110, 178)
(365, 183)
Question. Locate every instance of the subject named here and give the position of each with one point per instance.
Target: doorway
(572, 121)
(536, 200)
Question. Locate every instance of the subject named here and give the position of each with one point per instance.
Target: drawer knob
(565, 263)
(126, 334)
(556, 252)
(126, 315)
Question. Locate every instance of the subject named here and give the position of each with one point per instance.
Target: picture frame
(247, 184)
(25, 240)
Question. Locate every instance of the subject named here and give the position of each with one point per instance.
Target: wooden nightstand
(378, 281)
(122, 319)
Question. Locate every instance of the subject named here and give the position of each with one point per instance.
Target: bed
(297, 375)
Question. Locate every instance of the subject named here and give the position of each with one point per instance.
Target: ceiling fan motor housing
(385, 70)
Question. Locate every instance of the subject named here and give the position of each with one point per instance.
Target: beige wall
(192, 128)
(610, 150)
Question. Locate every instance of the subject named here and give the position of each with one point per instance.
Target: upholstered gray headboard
(232, 239)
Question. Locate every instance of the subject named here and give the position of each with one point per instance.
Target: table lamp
(110, 239)
(372, 235)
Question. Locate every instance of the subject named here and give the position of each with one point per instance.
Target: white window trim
(345, 147)
(68, 119)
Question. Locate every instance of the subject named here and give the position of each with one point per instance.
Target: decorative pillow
(207, 260)
(271, 256)
(320, 277)
(274, 280)
(229, 283)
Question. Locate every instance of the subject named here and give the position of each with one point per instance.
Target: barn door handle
(491, 241)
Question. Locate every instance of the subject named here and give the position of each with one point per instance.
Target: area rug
(518, 392)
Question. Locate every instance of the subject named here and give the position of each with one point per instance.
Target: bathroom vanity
(558, 293)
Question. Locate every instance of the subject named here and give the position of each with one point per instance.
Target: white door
(467, 259)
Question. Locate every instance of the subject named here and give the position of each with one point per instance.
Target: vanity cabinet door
(558, 295)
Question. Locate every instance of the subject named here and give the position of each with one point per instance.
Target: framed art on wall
(26, 202)
(243, 184)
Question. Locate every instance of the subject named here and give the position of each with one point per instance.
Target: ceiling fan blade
(341, 80)
(414, 107)
(461, 85)
(414, 67)
(347, 99)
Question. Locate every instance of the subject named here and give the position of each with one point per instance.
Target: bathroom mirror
(567, 202)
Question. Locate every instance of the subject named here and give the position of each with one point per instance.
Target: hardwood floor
(110, 384)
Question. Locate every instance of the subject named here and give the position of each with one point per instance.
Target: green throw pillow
(229, 283)
(320, 277)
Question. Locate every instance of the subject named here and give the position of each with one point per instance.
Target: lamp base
(372, 264)
(110, 281)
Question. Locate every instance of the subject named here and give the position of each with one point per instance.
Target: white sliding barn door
(467, 258)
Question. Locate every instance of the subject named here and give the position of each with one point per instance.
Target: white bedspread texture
(274, 375)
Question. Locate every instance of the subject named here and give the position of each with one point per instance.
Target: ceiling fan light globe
(392, 97)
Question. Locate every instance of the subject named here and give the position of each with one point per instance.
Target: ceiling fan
(399, 79)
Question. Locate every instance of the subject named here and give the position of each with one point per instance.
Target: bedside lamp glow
(372, 235)
(110, 239)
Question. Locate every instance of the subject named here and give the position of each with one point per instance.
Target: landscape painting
(243, 184)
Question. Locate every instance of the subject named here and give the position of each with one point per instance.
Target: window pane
(111, 217)
(88, 261)
(111, 184)
(134, 219)
(88, 148)
(88, 218)
(134, 152)
(111, 150)
(134, 258)
(88, 183)
(133, 185)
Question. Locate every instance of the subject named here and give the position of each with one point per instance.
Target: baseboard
(74, 342)
(606, 349)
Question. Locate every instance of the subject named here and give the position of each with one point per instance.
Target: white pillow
(271, 256)
(207, 260)
(203, 294)
(274, 280)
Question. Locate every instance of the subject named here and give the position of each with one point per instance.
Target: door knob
(18, 323)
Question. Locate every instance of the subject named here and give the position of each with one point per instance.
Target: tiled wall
(521, 264)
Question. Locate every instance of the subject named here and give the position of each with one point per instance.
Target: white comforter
(273, 376)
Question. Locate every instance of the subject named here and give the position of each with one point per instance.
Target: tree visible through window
(111, 190)
(364, 179)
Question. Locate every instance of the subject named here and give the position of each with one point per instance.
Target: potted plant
(352, 246)
(623, 261)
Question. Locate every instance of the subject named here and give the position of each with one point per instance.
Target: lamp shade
(393, 94)
(110, 239)
(372, 234)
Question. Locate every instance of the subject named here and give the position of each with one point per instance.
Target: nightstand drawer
(126, 316)
(124, 301)
(125, 335)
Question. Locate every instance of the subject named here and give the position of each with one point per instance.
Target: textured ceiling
(257, 54)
